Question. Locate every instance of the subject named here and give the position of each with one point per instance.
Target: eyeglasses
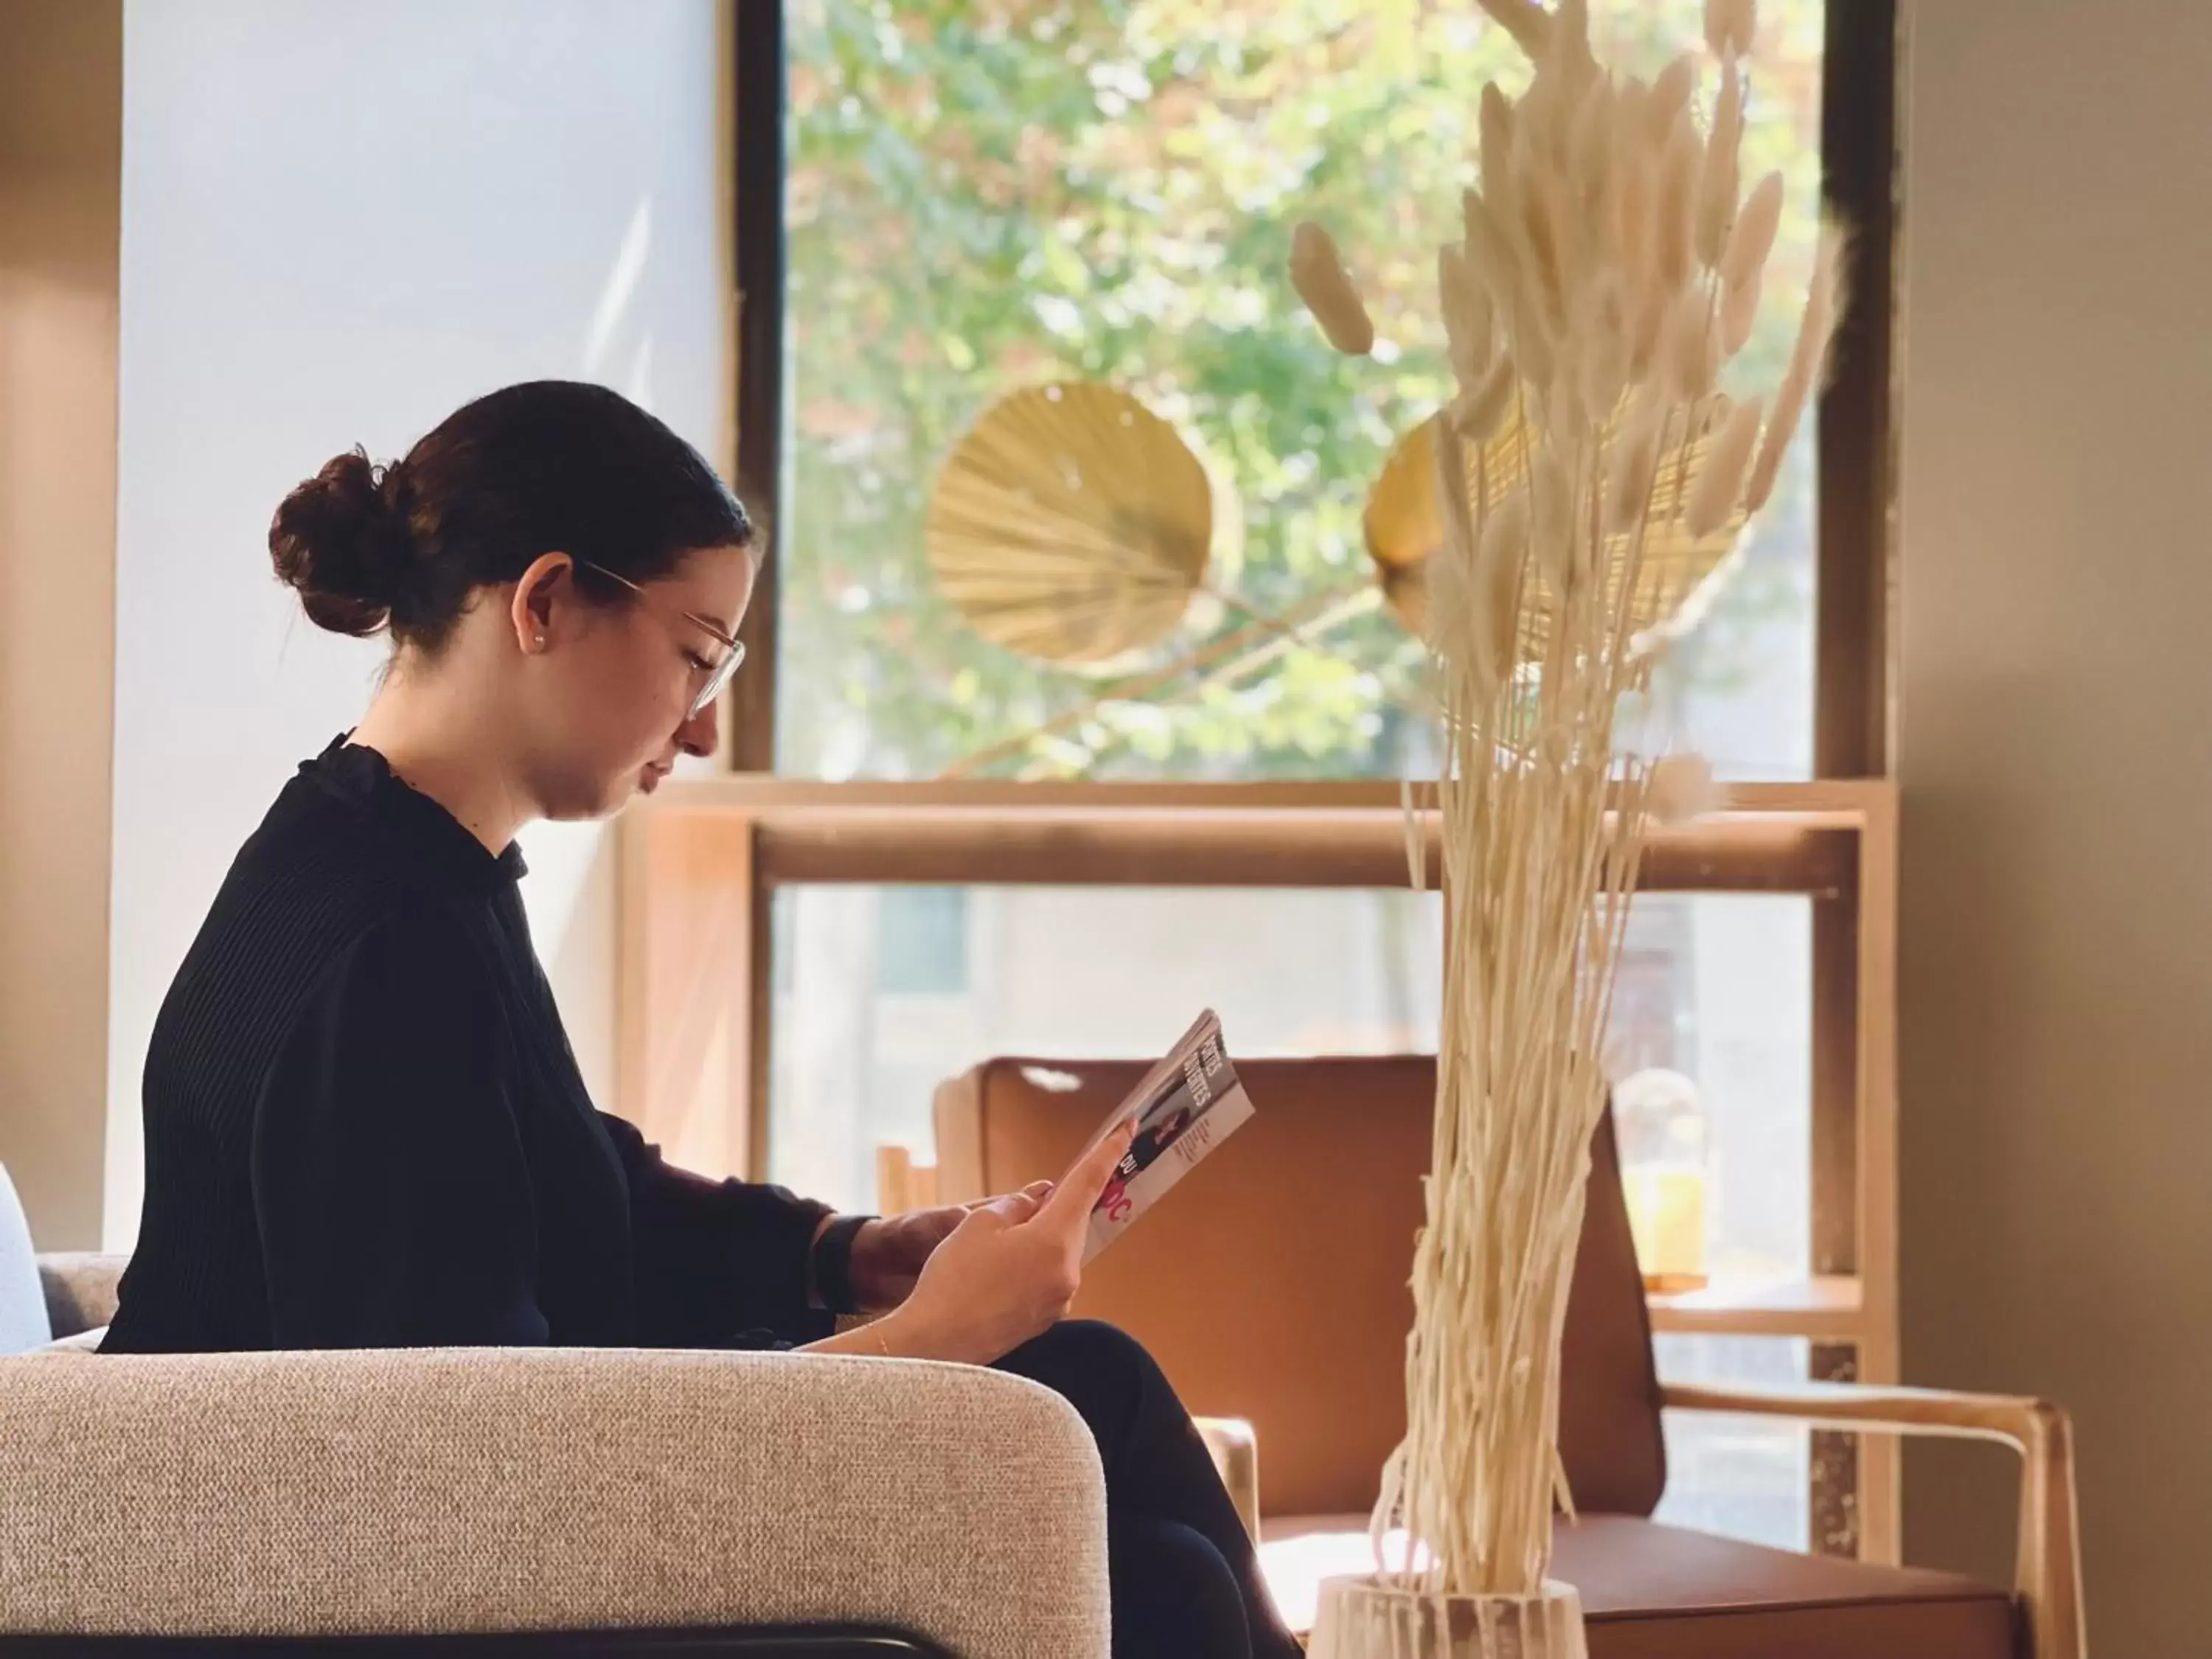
(718, 668)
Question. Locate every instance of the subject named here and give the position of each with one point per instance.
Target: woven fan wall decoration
(1685, 562)
(1071, 525)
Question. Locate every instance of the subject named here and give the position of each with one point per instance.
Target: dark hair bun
(341, 538)
(545, 466)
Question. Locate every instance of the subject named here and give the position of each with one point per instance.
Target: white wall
(340, 221)
(2055, 1035)
(61, 125)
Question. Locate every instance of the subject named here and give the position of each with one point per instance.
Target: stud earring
(540, 642)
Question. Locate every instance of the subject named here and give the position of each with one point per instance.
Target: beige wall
(61, 89)
(2056, 686)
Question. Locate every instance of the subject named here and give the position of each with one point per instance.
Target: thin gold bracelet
(881, 1346)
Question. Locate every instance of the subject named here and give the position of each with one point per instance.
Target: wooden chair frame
(2047, 1570)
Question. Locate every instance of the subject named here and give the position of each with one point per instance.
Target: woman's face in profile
(619, 714)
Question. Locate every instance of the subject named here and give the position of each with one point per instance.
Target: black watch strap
(833, 1263)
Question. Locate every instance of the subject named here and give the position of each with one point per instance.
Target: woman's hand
(890, 1253)
(1006, 1270)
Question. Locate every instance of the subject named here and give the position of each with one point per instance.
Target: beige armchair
(609, 1503)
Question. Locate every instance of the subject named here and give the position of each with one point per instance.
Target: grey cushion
(23, 1324)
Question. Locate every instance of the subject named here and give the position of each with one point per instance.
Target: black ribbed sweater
(364, 1127)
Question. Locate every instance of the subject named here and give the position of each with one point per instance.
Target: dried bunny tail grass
(1535, 190)
(1498, 251)
(1467, 619)
(1495, 128)
(1470, 325)
(1506, 530)
(1631, 101)
(1591, 152)
(1588, 230)
(1605, 327)
(1417, 877)
(1493, 618)
(1717, 188)
(1824, 301)
(1491, 252)
(1708, 415)
(1634, 206)
(1670, 97)
(1562, 411)
(1541, 117)
(1455, 557)
(1687, 359)
(1534, 350)
(1601, 241)
(1317, 273)
(1633, 467)
(1528, 23)
(1675, 216)
(1720, 479)
(1647, 292)
(1497, 260)
(1478, 412)
(1731, 26)
(1681, 788)
(1738, 312)
(1753, 238)
(1552, 501)
(1570, 46)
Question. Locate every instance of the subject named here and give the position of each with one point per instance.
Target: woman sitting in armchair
(364, 1124)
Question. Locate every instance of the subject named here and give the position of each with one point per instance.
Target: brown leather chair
(1272, 1286)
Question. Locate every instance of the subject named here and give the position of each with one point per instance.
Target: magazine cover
(1186, 1106)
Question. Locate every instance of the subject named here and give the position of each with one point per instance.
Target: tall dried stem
(1603, 268)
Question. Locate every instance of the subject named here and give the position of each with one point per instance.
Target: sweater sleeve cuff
(833, 1263)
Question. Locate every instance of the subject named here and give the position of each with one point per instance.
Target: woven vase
(1373, 1618)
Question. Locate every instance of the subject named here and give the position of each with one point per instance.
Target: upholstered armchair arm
(455, 1490)
(2049, 1566)
(1235, 1453)
(80, 1288)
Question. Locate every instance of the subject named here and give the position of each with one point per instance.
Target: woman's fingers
(1037, 1191)
(1015, 1205)
(1022, 1206)
(1078, 1190)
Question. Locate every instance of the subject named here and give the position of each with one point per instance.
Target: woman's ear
(535, 594)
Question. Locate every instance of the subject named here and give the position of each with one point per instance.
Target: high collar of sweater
(360, 776)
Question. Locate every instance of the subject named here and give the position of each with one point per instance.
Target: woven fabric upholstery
(445, 1491)
(79, 1289)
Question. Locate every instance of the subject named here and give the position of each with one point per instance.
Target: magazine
(1186, 1106)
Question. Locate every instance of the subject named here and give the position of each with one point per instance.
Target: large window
(987, 195)
(944, 849)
